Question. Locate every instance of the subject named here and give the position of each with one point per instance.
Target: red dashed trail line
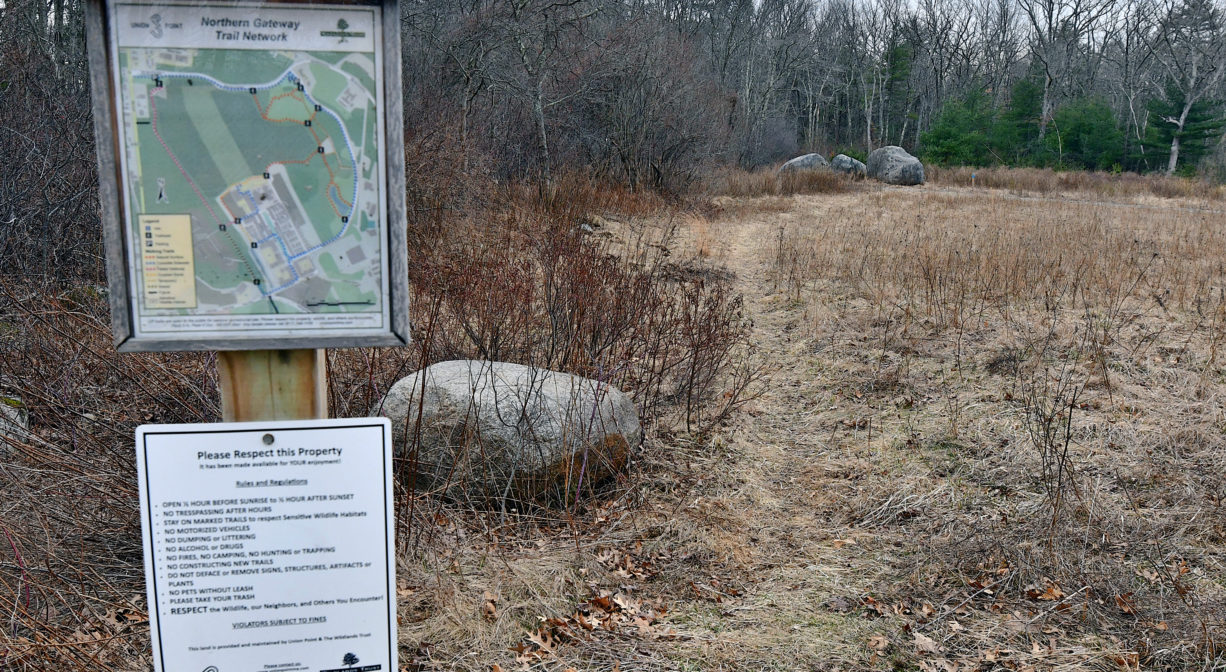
(157, 134)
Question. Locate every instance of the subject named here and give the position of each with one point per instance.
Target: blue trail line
(287, 75)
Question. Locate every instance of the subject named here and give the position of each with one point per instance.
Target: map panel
(252, 165)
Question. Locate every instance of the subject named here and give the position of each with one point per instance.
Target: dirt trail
(878, 504)
(737, 536)
(800, 578)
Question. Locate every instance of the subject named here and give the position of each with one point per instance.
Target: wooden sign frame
(117, 228)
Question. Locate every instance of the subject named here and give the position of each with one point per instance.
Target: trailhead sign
(252, 169)
(268, 546)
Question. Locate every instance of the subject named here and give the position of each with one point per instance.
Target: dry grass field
(986, 433)
(1005, 413)
(989, 436)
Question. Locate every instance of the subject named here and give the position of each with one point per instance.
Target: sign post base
(272, 385)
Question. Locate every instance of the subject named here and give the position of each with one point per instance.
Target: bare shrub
(503, 272)
(770, 182)
(1050, 391)
(527, 284)
(70, 560)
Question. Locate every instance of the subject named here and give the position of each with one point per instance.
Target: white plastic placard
(269, 545)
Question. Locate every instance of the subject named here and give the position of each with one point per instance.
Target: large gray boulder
(845, 164)
(893, 165)
(491, 430)
(805, 162)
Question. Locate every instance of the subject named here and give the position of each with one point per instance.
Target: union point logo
(342, 31)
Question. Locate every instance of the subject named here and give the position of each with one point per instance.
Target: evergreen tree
(1084, 134)
(961, 133)
(1203, 127)
(1015, 136)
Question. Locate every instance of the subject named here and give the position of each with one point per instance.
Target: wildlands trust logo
(342, 31)
(350, 661)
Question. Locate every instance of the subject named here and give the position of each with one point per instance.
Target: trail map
(252, 168)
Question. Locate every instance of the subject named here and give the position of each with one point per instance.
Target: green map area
(273, 157)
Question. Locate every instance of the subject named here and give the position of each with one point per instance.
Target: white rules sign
(269, 545)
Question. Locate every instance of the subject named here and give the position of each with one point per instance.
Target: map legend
(167, 260)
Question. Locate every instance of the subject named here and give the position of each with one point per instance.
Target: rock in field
(14, 420)
(492, 430)
(893, 165)
(845, 164)
(805, 162)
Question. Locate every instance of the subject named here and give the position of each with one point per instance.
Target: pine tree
(1084, 135)
(960, 135)
(1203, 126)
(1015, 136)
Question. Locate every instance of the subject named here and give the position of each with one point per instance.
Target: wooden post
(272, 385)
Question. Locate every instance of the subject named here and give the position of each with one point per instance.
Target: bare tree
(539, 34)
(638, 120)
(1129, 53)
(1058, 29)
(943, 32)
(1190, 46)
(48, 180)
(1000, 45)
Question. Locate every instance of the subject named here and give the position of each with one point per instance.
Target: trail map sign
(258, 179)
(269, 546)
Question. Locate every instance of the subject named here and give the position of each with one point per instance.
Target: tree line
(654, 93)
(651, 91)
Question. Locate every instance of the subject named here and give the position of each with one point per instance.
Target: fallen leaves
(94, 631)
(489, 606)
(840, 605)
(1046, 591)
(872, 608)
(627, 566)
(925, 644)
(1129, 660)
(714, 590)
(619, 612)
(120, 617)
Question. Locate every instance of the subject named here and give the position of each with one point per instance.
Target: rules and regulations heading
(269, 546)
(252, 156)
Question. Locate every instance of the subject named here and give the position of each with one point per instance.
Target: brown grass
(1040, 386)
(946, 257)
(1048, 181)
(991, 437)
(904, 494)
(770, 182)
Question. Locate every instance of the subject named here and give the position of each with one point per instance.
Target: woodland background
(657, 94)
